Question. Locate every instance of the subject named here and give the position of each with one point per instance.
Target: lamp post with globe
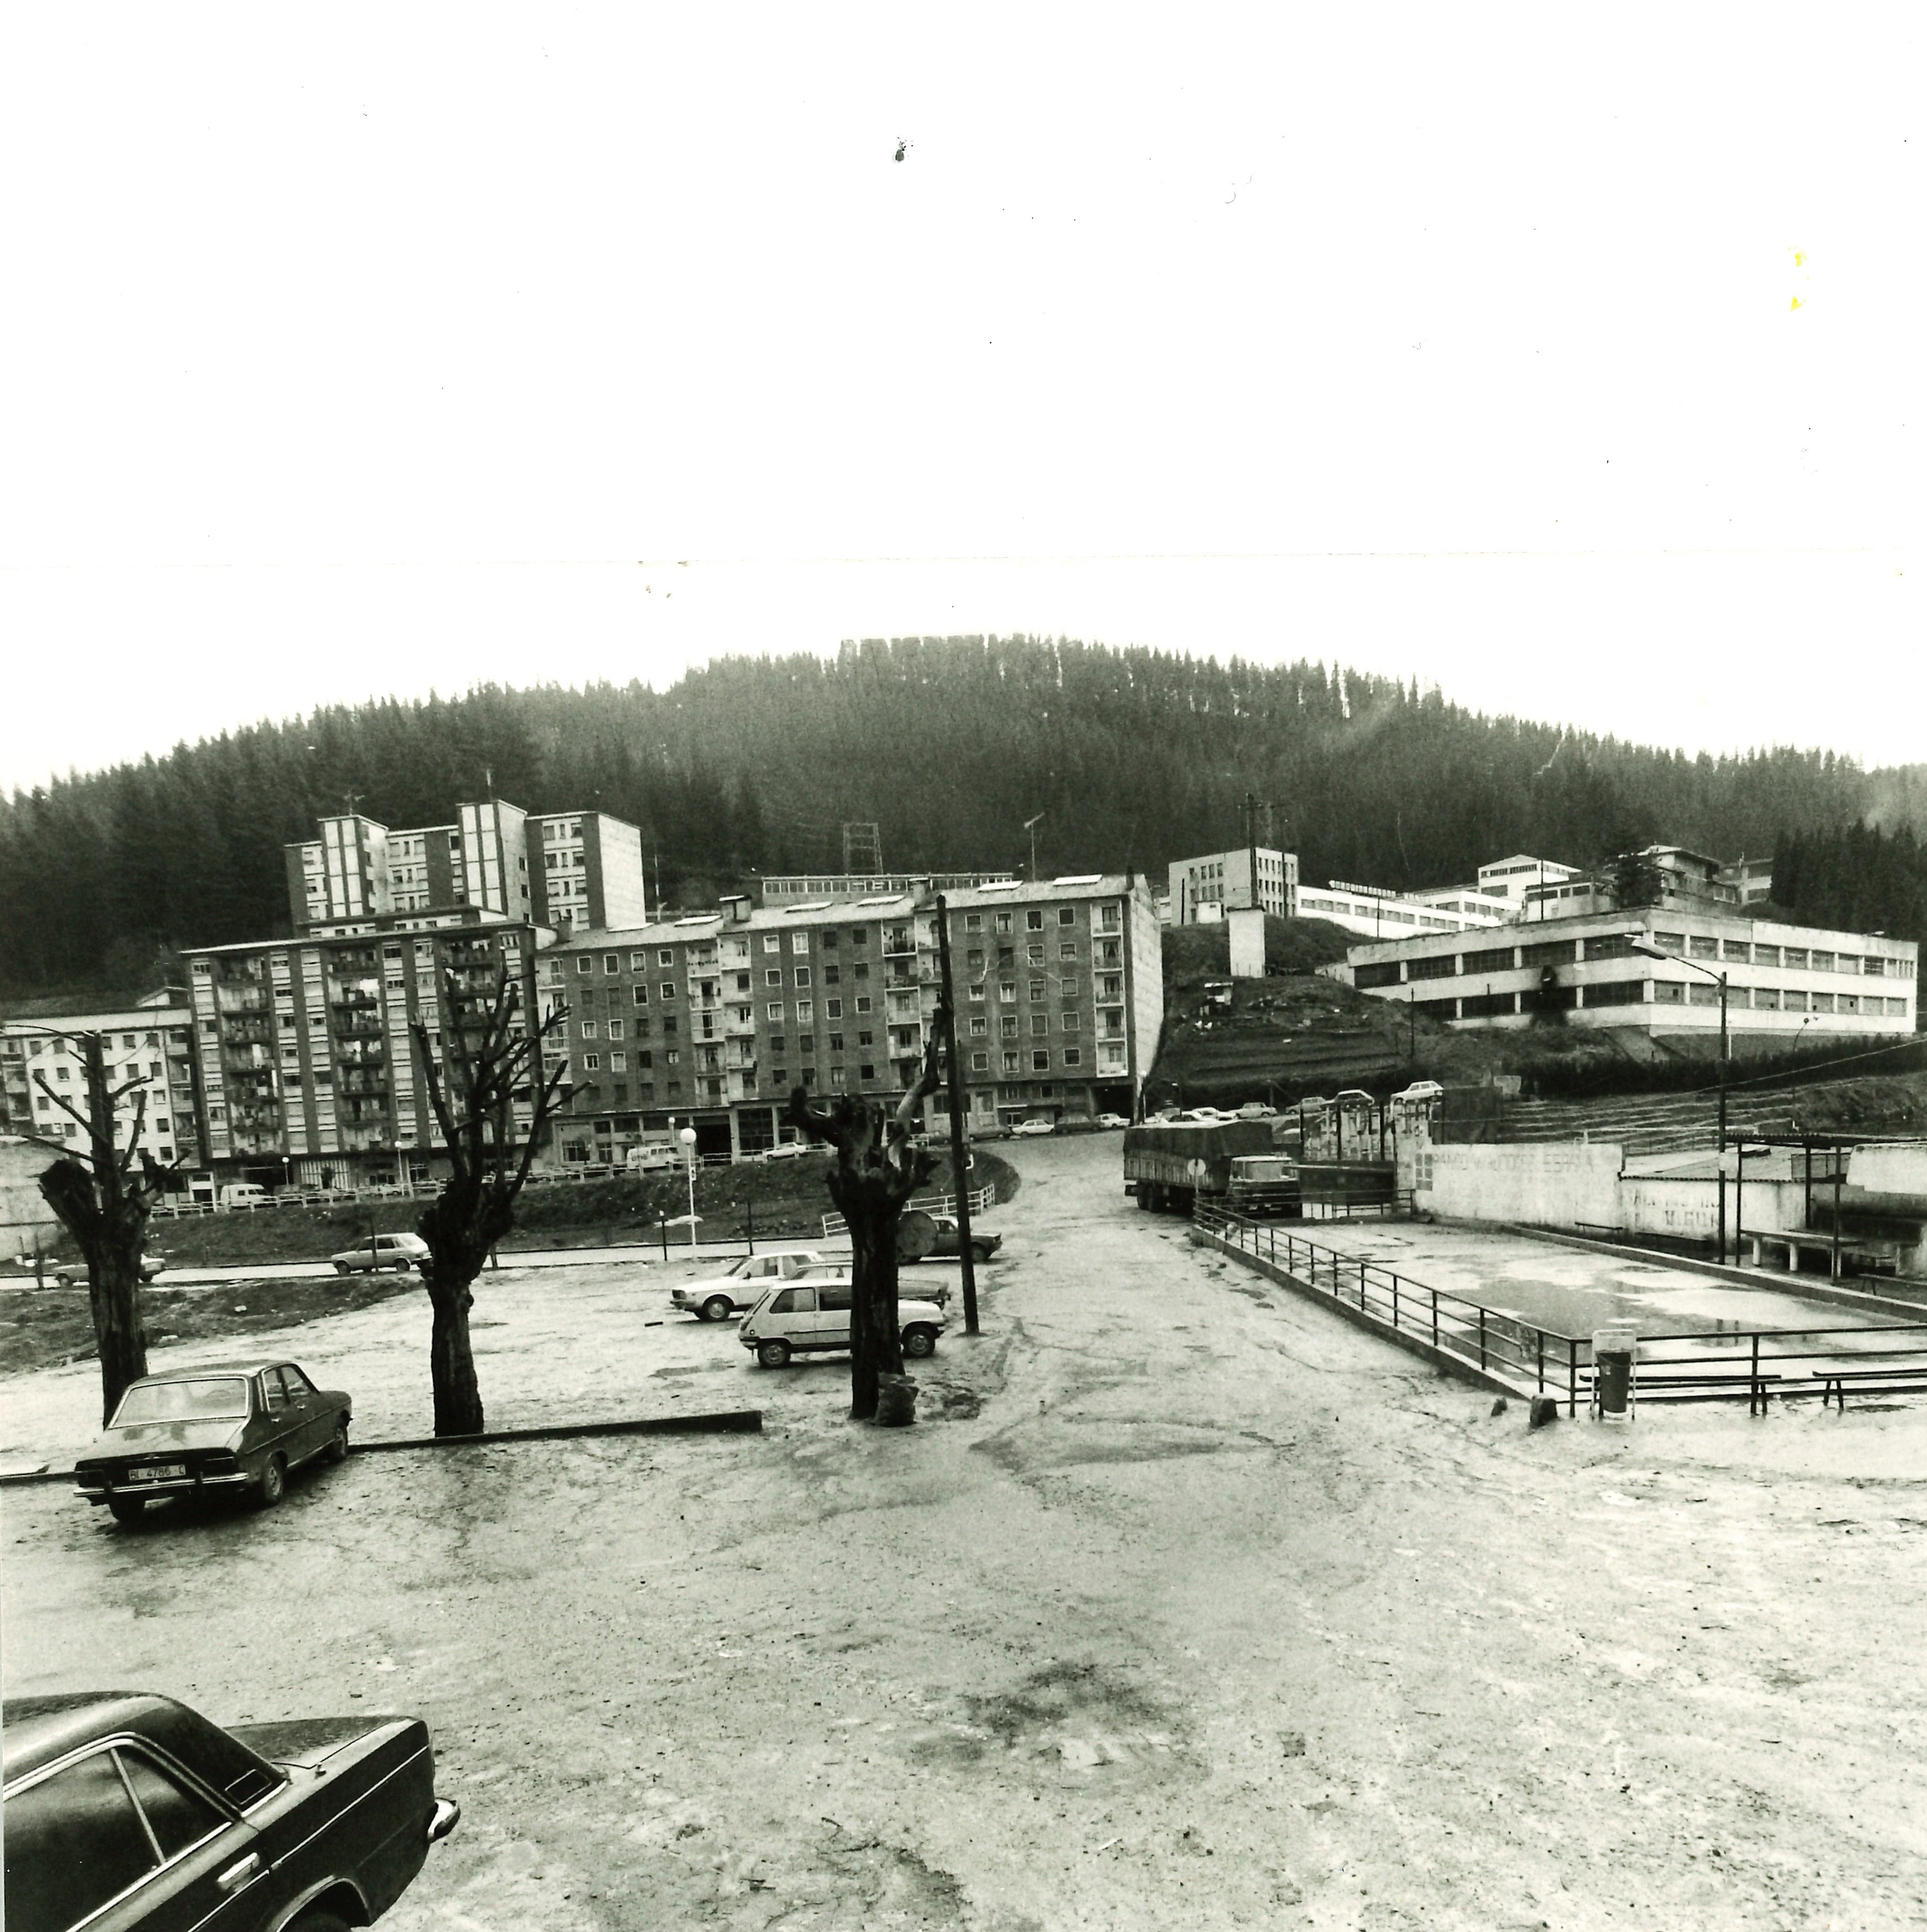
(687, 1136)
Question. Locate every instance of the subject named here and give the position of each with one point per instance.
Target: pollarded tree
(103, 1198)
(876, 1171)
(491, 1064)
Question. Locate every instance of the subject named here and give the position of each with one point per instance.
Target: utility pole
(1030, 825)
(959, 1151)
(1251, 845)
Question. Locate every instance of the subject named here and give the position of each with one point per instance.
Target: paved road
(1185, 1606)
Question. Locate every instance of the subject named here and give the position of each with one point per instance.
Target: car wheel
(127, 1509)
(980, 1252)
(273, 1483)
(919, 1341)
(342, 1268)
(773, 1354)
(319, 1922)
(717, 1308)
(337, 1450)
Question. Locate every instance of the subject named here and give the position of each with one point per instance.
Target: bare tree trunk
(876, 1342)
(451, 1361)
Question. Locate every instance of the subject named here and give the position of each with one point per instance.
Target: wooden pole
(959, 1152)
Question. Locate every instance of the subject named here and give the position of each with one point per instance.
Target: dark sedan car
(234, 1428)
(125, 1810)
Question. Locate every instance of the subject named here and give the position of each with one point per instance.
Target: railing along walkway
(981, 1197)
(1730, 1363)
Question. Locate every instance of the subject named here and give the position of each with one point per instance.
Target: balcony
(240, 999)
(899, 943)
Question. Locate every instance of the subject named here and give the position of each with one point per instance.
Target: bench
(1896, 1381)
(1710, 1388)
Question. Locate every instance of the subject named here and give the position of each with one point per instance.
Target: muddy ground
(1185, 1606)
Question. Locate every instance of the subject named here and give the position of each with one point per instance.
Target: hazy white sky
(1568, 360)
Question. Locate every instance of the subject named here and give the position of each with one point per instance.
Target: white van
(807, 1318)
(652, 1157)
(244, 1194)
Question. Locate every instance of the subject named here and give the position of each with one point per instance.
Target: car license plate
(156, 1472)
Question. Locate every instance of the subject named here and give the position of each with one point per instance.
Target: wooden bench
(1896, 1381)
(1711, 1387)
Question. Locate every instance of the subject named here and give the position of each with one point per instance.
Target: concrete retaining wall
(1890, 1170)
(1559, 1184)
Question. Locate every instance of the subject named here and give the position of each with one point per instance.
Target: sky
(1564, 359)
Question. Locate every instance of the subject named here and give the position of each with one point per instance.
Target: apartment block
(1784, 983)
(150, 1043)
(711, 1020)
(1206, 888)
(495, 863)
(305, 1053)
(781, 888)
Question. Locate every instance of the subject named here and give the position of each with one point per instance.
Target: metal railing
(981, 1197)
(1487, 1338)
(1730, 1363)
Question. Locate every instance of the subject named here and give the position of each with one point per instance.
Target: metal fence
(981, 1197)
(1729, 1363)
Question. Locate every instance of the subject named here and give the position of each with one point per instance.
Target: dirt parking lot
(1184, 1606)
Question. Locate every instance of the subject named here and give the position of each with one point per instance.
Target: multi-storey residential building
(1784, 983)
(1206, 888)
(779, 889)
(1377, 914)
(714, 1019)
(308, 1066)
(567, 870)
(151, 1042)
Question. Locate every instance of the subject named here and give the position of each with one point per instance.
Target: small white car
(807, 1318)
(1256, 1110)
(73, 1272)
(717, 1297)
(1034, 1127)
(399, 1251)
(788, 1150)
(1112, 1120)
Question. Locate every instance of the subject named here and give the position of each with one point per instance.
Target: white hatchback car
(1038, 1126)
(807, 1319)
(718, 1297)
(400, 1252)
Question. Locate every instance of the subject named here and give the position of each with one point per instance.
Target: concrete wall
(1890, 1170)
(1657, 1204)
(1247, 943)
(1557, 1184)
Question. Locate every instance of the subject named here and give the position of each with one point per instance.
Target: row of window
(1665, 992)
(1617, 945)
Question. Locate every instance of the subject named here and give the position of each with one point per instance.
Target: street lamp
(1653, 952)
(687, 1136)
(1030, 825)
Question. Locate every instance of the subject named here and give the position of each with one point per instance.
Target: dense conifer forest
(752, 764)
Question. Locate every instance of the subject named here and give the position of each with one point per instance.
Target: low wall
(1656, 1204)
(1556, 1184)
(1890, 1170)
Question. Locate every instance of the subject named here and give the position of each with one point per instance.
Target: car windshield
(177, 1401)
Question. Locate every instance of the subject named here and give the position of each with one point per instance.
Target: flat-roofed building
(1513, 876)
(1378, 914)
(782, 889)
(148, 1050)
(711, 1020)
(1784, 983)
(1205, 889)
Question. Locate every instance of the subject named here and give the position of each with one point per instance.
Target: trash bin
(896, 1402)
(1614, 1349)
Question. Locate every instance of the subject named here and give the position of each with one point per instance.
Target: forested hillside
(1133, 757)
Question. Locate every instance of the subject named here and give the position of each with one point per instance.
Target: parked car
(789, 1150)
(1034, 1127)
(1112, 1120)
(132, 1812)
(1256, 1110)
(804, 1319)
(653, 1157)
(231, 1429)
(400, 1251)
(718, 1297)
(244, 1194)
(71, 1272)
(949, 1242)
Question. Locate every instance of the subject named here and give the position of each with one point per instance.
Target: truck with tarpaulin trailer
(1170, 1165)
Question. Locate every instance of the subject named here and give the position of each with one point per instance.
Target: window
(866, 1073)
(1499, 960)
(639, 962)
(1009, 1062)
(1616, 993)
(832, 974)
(1007, 1026)
(1040, 1060)
(1735, 949)
(642, 995)
(584, 963)
(1003, 921)
(976, 989)
(73, 1842)
(618, 1063)
(836, 1042)
(974, 959)
(861, 971)
(1552, 952)
(1067, 915)
(779, 1043)
(1794, 958)
(773, 942)
(1033, 920)
(1007, 992)
(799, 942)
(1375, 973)
(592, 1062)
(1822, 962)
(1074, 1056)
(1665, 993)
(672, 1058)
(1040, 1023)
(973, 921)
(1038, 989)
(615, 1029)
(980, 1063)
(666, 991)
(1006, 956)
(806, 1013)
(1071, 1022)
(832, 1009)
(860, 937)
(863, 1003)
(612, 962)
(1068, 950)
(979, 1026)
(802, 976)
(589, 1029)
(645, 1061)
(1439, 966)
(829, 942)
(1033, 954)
(1700, 947)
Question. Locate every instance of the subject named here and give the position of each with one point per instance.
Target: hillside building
(1784, 984)
(712, 1019)
(150, 1042)
(566, 871)
(1511, 878)
(1376, 913)
(1204, 889)
(1687, 879)
(307, 1064)
(782, 889)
